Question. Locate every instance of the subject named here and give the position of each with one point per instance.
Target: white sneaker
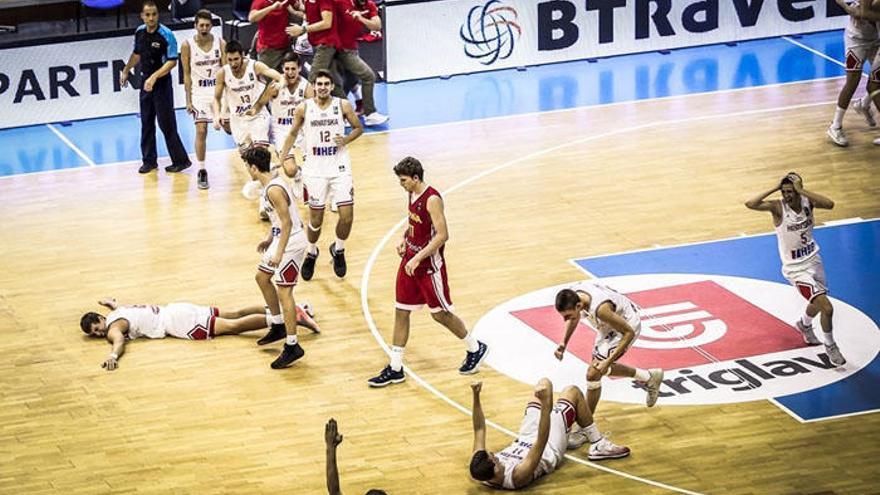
(837, 136)
(375, 119)
(807, 332)
(877, 142)
(577, 437)
(653, 386)
(834, 355)
(866, 112)
(604, 449)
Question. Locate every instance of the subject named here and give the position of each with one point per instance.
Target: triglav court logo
(721, 339)
(490, 32)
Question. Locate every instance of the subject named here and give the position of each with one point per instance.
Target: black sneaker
(387, 377)
(147, 168)
(473, 360)
(339, 266)
(308, 268)
(203, 179)
(276, 332)
(179, 167)
(290, 354)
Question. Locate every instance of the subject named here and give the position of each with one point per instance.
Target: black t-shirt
(155, 48)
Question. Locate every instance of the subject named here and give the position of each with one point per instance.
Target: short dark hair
(324, 73)
(375, 492)
(290, 57)
(148, 3)
(787, 179)
(87, 320)
(411, 167)
(204, 14)
(566, 299)
(482, 467)
(234, 46)
(258, 157)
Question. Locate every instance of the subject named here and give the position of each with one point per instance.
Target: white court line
(815, 52)
(72, 146)
(368, 268)
(476, 121)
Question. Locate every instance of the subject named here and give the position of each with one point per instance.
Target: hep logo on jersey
(721, 339)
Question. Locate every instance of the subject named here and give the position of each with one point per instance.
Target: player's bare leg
(835, 131)
(594, 386)
(313, 233)
(235, 326)
(292, 350)
(393, 373)
(826, 310)
(585, 429)
(452, 322)
(201, 145)
(476, 350)
(241, 313)
(651, 379)
(401, 327)
(874, 92)
(277, 330)
(343, 230)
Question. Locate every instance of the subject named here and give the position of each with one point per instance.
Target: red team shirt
(429, 284)
(270, 29)
(313, 16)
(349, 27)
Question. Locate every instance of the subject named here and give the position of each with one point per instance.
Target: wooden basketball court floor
(523, 194)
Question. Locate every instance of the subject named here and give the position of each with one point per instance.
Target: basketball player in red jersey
(421, 278)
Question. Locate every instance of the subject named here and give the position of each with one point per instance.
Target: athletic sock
(396, 358)
(837, 123)
(806, 320)
(593, 434)
(291, 339)
(313, 249)
(471, 342)
(277, 319)
(828, 338)
(642, 375)
(201, 165)
(340, 245)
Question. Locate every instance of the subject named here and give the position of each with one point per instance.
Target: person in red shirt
(354, 16)
(421, 277)
(271, 17)
(321, 28)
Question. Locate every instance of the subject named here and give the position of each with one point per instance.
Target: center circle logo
(490, 32)
(720, 339)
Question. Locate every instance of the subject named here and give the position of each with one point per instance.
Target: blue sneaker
(387, 377)
(473, 360)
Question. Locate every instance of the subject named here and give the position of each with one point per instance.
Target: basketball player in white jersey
(201, 57)
(240, 82)
(285, 101)
(283, 251)
(327, 166)
(861, 40)
(799, 252)
(180, 320)
(542, 440)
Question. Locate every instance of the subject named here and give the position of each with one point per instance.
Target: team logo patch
(721, 339)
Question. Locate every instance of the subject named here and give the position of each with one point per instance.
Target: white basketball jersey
(297, 234)
(323, 158)
(203, 66)
(143, 321)
(794, 234)
(599, 294)
(861, 30)
(242, 94)
(284, 105)
(513, 455)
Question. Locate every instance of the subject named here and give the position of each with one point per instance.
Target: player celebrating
(285, 101)
(283, 253)
(421, 277)
(202, 57)
(327, 167)
(617, 323)
(801, 263)
(542, 440)
(240, 80)
(180, 320)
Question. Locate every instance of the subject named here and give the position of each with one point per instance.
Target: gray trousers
(350, 61)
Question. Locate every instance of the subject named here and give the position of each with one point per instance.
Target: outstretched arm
(524, 472)
(606, 313)
(478, 418)
(109, 303)
(570, 326)
(332, 438)
(117, 341)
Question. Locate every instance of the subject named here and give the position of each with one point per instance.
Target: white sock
(396, 358)
(807, 320)
(838, 118)
(642, 375)
(313, 248)
(828, 338)
(866, 101)
(276, 319)
(291, 339)
(340, 245)
(202, 165)
(593, 434)
(471, 342)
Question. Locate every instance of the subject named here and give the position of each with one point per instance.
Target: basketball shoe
(473, 360)
(653, 386)
(605, 449)
(807, 333)
(386, 377)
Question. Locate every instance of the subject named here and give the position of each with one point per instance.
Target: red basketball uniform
(429, 284)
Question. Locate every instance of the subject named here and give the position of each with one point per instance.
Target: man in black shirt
(155, 48)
